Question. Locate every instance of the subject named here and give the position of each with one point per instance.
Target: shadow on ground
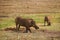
(11, 34)
(21, 30)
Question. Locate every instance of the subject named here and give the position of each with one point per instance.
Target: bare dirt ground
(11, 34)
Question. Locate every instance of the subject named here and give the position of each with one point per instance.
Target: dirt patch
(33, 30)
(11, 34)
(50, 32)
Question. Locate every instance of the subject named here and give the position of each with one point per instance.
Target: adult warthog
(26, 23)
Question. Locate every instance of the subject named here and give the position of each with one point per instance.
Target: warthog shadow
(14, 29)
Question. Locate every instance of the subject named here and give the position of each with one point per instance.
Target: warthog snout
(36, 27)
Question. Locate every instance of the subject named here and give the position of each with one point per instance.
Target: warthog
(47, 20)
(26, 23)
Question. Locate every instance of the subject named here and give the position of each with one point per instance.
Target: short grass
(5, 22)
(39, 18)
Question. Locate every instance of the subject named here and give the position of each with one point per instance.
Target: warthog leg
(27, 29)
(17, 27)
